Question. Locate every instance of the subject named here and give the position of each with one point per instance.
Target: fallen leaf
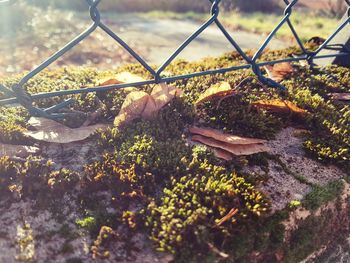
(228, 138)
(163, 94)
(221, 154)
(132, 107)
(235, 149)
(223, 89)
(279, 71)
(150, 109)
(160, 96)
(17, 150)
(340, 96)
(139, 104)
(51, 131)
(121, 78)
(110, 82)
(227, 217)
(127, 77)
(279, 106)
(124, 77)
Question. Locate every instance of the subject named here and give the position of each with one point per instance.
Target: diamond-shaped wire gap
(99, 51)
(209, 43)
(157, 38)
(311, 22)
(79, 54)
(286, 33)
(336, 43)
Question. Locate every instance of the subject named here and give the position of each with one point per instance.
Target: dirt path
(154, 39)
(159, 38)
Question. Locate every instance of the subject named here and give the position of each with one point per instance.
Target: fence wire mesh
(17, 94)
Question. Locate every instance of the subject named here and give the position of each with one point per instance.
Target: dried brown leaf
(221, 90)
(279, 106)
(221, 154)
(279, 71)
(110, 82)
(132, 108)
(140, 104)
(160, 96)
(123, 77)
(127, 77)
(228, 138)
(51, 131)
(163, 94)
(235, 149)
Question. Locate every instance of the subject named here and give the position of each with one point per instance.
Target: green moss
(105, 236)
(312, 234)
(120, 178)
(12, 125)
(182, 189)
(34, 178)
(329, 120)
(8, 173)
(202, 197)
(323, 194)
(87, 222)
(155, 147)
(235, 115)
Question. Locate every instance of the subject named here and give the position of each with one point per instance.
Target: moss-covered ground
(159, 184)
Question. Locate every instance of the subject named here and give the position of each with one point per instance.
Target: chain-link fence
(17, 94)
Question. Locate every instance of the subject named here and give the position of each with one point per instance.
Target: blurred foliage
(165, 5)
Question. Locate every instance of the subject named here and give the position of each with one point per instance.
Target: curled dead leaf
(139, 104)
(108, 82)
(160, 96)
(51, 131)
(164, 93)
(235, 149)
(127, 77)
(121, 78)
(228, 138)
(222, 154)
(279, 72)
(220, 90)
(279, 106)
(132, 107)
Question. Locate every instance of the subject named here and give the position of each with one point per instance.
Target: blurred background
(32, 30)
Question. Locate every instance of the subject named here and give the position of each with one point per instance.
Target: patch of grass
(323, 194)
